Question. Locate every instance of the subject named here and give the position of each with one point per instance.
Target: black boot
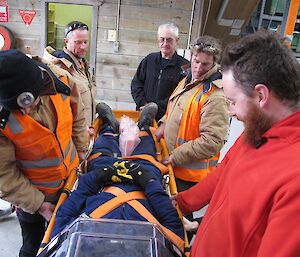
(107, 116)
(147, 115)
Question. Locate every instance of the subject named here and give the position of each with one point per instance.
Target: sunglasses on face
(75, 26)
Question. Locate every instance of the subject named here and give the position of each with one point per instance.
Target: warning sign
(27, 16)
(3, 12)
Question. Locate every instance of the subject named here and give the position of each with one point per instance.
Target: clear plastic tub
(110, 238)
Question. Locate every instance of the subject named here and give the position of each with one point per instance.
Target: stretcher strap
(94, 156)
(115, 202)
(130, 198)
(163, 169)
(157, 145)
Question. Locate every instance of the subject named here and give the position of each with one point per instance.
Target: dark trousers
(183, 185)
(33, 227)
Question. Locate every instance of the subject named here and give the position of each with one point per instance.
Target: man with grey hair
(72, 59)
(159, 73)
(196, 124)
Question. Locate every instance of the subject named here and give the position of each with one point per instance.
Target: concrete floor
(10, 234)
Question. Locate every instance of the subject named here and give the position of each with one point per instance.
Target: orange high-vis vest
(189, 130)
(46, 158)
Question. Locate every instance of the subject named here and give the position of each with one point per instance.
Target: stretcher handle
(63, 196)
(173, 189)
(172, 182)
(69, 187)
(96, 125)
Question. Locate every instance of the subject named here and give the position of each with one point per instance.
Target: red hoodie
(254, 198)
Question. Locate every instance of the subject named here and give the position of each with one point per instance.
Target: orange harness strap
(130, 198)
(115, 202)
(163, 169)
(94, 156)
(157, 145)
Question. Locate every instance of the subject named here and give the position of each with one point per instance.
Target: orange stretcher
(161, 153)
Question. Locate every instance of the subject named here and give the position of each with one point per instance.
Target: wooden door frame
(93, 30)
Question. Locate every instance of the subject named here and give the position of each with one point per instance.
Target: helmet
(21, 80)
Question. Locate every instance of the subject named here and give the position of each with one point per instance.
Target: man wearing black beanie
(42, 134)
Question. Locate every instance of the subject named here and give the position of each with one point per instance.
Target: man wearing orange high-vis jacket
(195, 126)
(42, 137)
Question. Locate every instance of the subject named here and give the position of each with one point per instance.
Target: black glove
(107, 175)
(133, 173)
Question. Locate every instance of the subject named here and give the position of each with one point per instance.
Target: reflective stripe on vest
(200, 165)
(44, 157)
(189, 130)
(27, 164)
(130, 198)
(40, 164)
(47, 184)
(14, 125)
(73, 153)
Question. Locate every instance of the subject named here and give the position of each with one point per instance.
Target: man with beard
(254, 193)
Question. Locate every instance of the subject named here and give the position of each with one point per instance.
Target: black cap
(21, 80)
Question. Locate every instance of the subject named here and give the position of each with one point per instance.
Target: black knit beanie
(18, 74)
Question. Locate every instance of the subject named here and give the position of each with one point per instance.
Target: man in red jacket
(254, 194)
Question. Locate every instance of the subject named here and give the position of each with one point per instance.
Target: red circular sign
(8, 38)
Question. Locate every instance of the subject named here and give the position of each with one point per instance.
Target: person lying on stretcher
(109, 175)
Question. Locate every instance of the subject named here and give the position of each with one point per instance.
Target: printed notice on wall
(3, 11)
